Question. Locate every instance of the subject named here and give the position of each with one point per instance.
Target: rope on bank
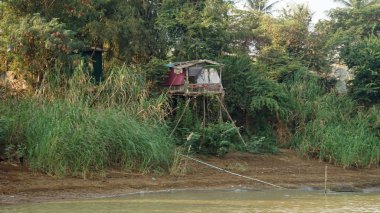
(232, 173)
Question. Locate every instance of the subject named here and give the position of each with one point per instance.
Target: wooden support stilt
(203, 123)
(220, 109)
(204, 112)
(325, 179)
(180, 118)
(229, 117)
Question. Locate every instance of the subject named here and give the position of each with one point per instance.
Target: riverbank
(19, 185)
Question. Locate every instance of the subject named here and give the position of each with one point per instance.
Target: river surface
(216, 201)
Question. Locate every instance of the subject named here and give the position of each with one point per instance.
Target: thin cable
(232, 173)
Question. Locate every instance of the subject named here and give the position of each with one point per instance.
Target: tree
(251, 94)
(355, 22)
(289, 31)
(352, 37)
(49, 36)
(126, 28)
(294, 29)
(364, 58)
(358, 4)
(243, 26)
(285, 38)
(194, 29)
(37, 45)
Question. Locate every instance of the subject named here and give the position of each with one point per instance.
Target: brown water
(216, 201)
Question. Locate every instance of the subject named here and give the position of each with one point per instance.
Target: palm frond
(261, 5)
(372, 2)
(348, 3)
(357, 4)
(269, 7)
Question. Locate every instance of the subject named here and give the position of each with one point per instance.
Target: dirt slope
(19, 185)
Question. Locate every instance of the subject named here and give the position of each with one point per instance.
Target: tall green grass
(334, 128)
(72, 126)
(123, 87)
(63, 138)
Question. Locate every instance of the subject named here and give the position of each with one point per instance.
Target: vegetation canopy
(280, 76)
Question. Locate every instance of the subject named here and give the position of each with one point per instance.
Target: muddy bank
(19, 185)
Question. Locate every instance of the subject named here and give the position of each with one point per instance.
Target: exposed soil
(20, 185)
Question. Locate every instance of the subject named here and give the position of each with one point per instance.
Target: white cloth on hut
(208, 76)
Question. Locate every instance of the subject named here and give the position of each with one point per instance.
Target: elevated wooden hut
(195, 77)
(198, 78)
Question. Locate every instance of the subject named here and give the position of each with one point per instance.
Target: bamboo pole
(180, 118)
(229, 117)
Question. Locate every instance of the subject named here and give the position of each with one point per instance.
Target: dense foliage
(277, 78)
(194, 29)
(364, 58)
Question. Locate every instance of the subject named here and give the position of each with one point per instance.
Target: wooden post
(203, 123)
(204, 112)
(187, 75)
(221, 95)
(180, 118)
(220, 73)
(325, 179)
(220, 109)
(187, 81)
(6, 65)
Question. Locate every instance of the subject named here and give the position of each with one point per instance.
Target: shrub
(216, 139)
(258, 145)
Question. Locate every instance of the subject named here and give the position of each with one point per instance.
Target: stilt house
(195, 78)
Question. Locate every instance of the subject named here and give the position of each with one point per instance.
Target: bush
(258, 145)
(216, 139)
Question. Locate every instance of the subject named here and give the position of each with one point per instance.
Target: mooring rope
(232, 173)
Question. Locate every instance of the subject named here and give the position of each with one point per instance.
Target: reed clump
(73, 126)
(333, 127)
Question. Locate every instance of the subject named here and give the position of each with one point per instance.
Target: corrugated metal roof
(186, 64)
